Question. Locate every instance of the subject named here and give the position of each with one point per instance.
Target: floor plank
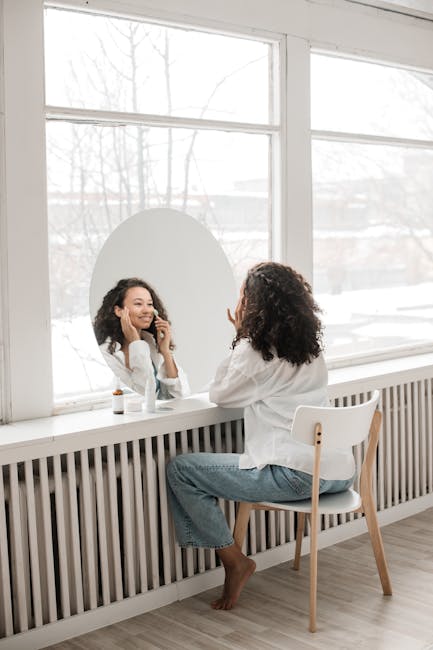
(272, 613)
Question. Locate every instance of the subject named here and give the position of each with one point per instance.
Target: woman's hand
(129, 331)
(163, 333)
(237, 319)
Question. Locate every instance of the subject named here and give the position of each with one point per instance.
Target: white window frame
(332, 25)
(370, 139)
(273, 130)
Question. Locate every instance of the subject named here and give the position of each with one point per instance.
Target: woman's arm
(172, 387)
(233, 385)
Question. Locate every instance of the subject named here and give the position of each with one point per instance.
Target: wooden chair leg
(313, 572)
(241, 523)
(377, 544)
(300, 526)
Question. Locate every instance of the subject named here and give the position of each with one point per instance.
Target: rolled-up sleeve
(232, 387)
(173, 386)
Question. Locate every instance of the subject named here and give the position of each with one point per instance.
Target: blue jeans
(195, 481)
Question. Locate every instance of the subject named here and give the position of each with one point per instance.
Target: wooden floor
(272, 611)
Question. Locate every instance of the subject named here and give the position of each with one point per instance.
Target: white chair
(331, 428)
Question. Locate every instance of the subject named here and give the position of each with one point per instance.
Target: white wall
(328, 24)
(26, 316)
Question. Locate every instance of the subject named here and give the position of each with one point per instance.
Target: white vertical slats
(262, 529)
(358, 458)
(422, 385)
(140, 536)
(163, 509)
(6, 621)
(88, 537)
(364, 398)
(395, 445)
(152, 500)
(333, 519)
(62, 541)
(429, 433)
(291, 525)
(33, 543)
(177, 549)
(128, 555)
(239, 438)
(101, 509)
(386, 423)
(195, 434)
(417, 460)
(47, 541)
(381, 451)
(409, 433)
(281, 527)
(20, 575)
(114, 524)
(272, 531)
(403, 443)
(253, 531)
(217, 438)
(77, 579)
(207, 439)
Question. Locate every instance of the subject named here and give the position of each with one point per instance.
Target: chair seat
(329, 504)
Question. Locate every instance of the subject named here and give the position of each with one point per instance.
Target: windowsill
(372, 357)
(178, 415)
(192, 411)
(372, 371)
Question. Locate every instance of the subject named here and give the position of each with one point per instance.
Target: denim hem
(205, 546)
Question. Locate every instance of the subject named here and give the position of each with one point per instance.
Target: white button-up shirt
(143, 358)
(270, 391)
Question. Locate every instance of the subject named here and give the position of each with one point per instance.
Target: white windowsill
(193, 411)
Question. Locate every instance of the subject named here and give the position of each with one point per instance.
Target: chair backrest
(342, 426)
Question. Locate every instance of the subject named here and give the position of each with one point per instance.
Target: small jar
(134, 403)
(118, 400)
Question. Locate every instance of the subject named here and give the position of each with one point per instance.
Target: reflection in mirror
(185, 276)
(134, 336)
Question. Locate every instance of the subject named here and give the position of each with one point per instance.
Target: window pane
(373, 245)
(107, 63)
(99, 176)
(360, 97)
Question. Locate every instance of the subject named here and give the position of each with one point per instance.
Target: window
(143, 115)
(373, 204)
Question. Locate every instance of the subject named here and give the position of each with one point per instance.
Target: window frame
(354, 137)
(332, 25)
(113, 117)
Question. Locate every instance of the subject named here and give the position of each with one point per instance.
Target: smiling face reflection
(139, 303)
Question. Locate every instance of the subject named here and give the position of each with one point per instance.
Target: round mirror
(188, 269)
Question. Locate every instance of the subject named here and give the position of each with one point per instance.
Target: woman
(275, 365)
(134, 336)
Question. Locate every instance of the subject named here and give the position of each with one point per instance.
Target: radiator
(79, 531)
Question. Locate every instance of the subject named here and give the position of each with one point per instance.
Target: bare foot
(236, 578)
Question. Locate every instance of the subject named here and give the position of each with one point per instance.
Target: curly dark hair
(280, 314)
(107, 325)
